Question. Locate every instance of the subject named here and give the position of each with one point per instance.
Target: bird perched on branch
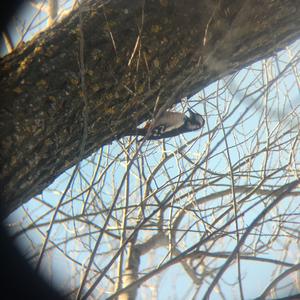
(170, 124)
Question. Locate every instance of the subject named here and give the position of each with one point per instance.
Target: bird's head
(195, 121)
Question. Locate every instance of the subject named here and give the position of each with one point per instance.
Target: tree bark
(131, 273)
(138, 56)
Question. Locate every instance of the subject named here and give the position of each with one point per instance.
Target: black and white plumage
(171, 124)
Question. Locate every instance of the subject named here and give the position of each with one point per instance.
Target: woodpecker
(170, 124)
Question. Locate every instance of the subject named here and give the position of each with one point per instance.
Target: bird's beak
(191, 112)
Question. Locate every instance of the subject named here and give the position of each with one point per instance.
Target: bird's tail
(136, 132)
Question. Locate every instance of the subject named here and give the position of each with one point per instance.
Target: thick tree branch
(134, 52)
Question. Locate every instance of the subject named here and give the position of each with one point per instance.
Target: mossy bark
(134, 51)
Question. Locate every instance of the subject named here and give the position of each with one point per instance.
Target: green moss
(155, 28)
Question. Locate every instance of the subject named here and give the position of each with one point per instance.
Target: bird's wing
(170, 120)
